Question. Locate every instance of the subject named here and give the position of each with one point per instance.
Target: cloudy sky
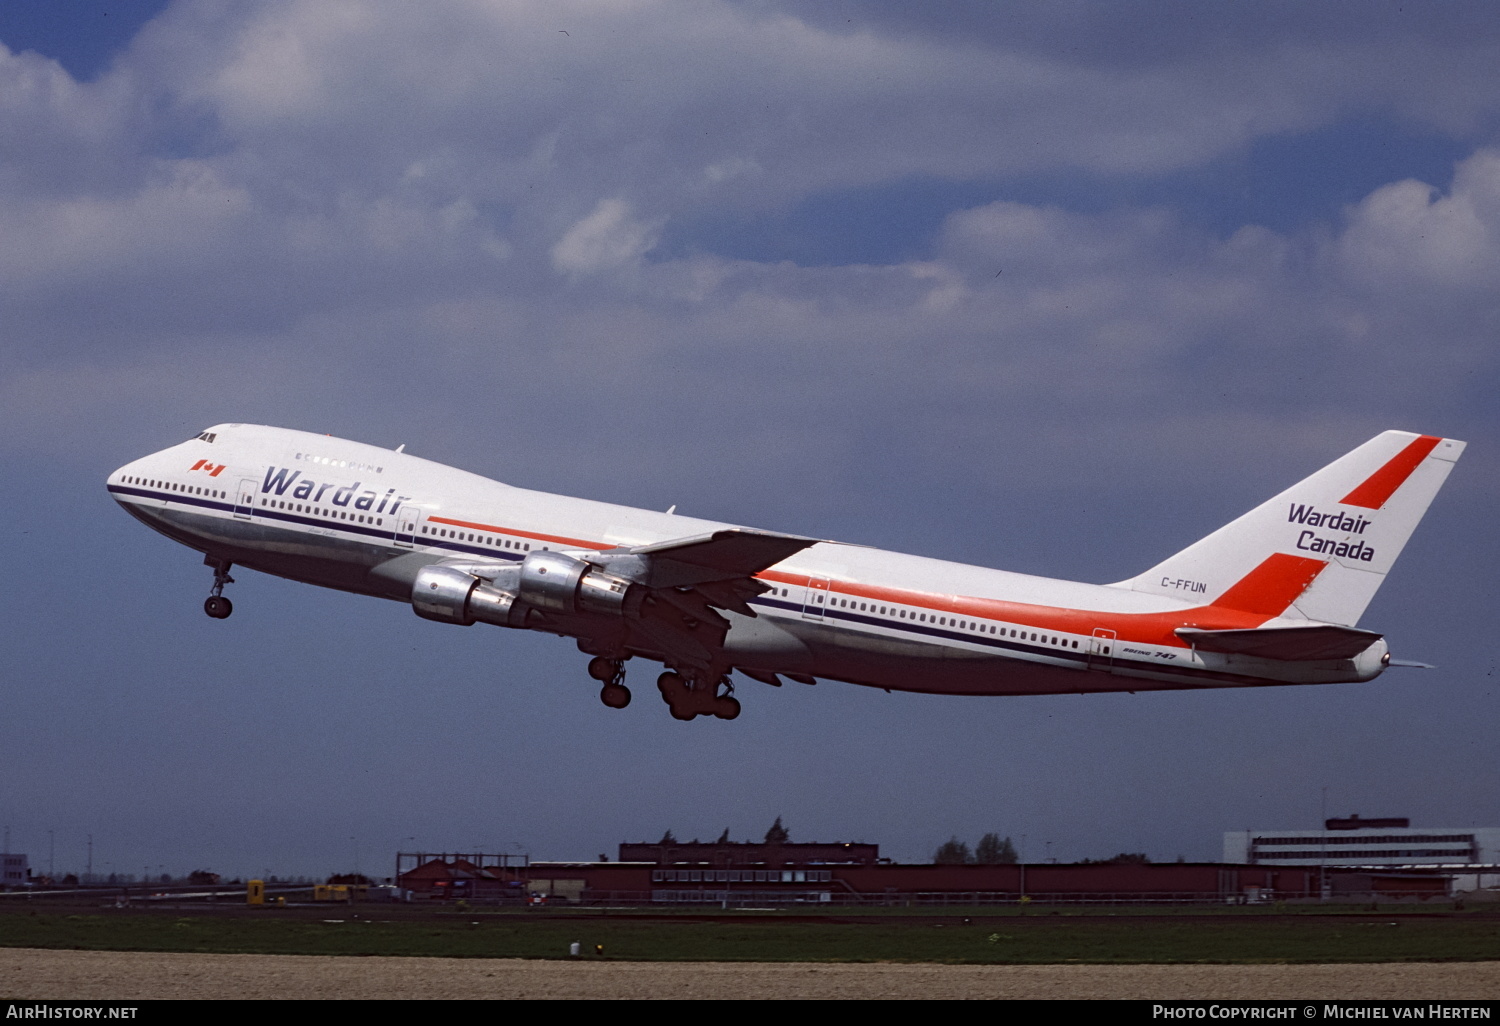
(1055, 287)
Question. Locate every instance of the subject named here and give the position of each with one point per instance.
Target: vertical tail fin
(1320, 549)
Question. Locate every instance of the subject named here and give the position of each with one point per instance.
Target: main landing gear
(610, 673)
(216, 605)
(688, 698)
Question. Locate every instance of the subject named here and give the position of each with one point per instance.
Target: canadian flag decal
(211, 469)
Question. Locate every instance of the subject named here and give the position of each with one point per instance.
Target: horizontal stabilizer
(1320, 642)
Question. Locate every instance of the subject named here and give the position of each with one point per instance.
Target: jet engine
(546, 581)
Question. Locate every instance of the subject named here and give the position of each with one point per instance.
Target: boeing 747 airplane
(1272, 598)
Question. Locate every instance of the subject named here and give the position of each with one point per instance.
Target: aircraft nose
(123, 478)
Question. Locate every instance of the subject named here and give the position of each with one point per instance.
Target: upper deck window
(342, 464)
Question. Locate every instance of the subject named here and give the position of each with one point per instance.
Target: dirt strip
(132, 975)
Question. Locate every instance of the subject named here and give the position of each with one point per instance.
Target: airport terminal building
(1367, 843)
(732, 875)
(1353, 859)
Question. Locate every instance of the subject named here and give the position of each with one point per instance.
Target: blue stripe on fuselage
(1105, 663)
(385, 534)
(908, 627)
(178, 497)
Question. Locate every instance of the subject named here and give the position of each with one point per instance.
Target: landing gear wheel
(216, 605)
(616, 696)
(671, 687)
(603, 669)
(674, 691)
(726, 708)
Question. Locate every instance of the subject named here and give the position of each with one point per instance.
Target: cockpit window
(208, 436)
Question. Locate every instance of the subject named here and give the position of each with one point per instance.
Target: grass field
(1129, 936)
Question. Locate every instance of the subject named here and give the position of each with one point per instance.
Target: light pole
(1323, 849)
(1023, 868)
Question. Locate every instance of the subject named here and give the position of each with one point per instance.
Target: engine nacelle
(449, 595)
(558, 583)
(546, 581)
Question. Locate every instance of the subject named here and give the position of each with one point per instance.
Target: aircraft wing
(680, 587)
(1324, 641)
(688, 580)
(731, 556)
(736, 552)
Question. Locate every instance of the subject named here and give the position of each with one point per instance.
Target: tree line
(991, 850)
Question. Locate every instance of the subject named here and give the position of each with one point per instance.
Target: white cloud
(187, 213)
(1407, 234)
(608, 238)
(673, 106)
(366, 192)
(62, 136)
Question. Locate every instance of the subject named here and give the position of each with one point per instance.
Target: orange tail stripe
(1382, 484)
(1271, 587)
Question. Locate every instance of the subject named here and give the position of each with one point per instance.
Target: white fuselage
(351, 516)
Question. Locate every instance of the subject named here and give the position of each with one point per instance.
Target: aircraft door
(406, 526)
(244, 501)
(1102, 649)
(817, 598)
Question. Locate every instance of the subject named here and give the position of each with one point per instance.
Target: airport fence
(922, 899)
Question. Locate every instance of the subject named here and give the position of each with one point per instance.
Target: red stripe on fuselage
(1262, 594)
(558, 539)
(1382, 484)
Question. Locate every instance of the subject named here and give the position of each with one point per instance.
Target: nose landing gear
(216, 605)
(610, 673)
